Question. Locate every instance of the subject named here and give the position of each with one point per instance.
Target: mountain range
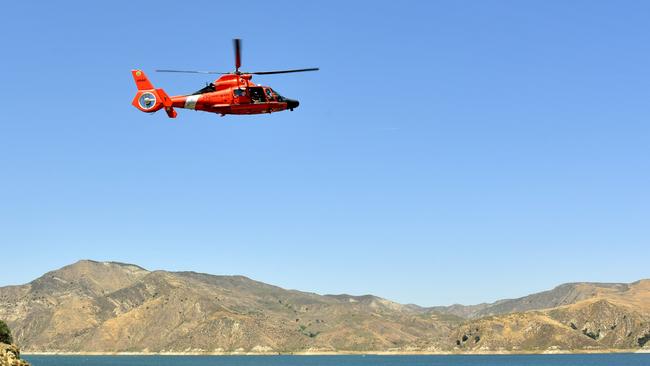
(108, 307)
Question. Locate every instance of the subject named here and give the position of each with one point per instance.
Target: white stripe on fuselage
(190, 102)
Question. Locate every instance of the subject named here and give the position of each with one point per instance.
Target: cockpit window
(279, 97)
(239, 92)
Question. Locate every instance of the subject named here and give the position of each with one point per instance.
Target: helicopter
(232, 93)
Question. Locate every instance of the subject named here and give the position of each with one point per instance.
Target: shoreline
(340, 353)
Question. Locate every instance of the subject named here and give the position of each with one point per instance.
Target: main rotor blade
(196, 72)
(237, 45)
(242, 72)
(281, 71)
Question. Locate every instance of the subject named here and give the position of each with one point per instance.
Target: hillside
(106, 307)
(612, 317)
(114, 307)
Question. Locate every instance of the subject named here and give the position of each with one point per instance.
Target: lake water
(464, 360)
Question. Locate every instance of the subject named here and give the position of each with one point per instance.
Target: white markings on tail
(190, 102)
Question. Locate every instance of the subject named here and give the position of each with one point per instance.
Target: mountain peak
(91, 262)
(89, 276)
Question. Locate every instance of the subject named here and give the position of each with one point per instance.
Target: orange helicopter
(232, 93)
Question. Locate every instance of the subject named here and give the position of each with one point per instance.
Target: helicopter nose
(291, 104)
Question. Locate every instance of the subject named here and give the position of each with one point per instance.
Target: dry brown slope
(105, 307)
(610, 319)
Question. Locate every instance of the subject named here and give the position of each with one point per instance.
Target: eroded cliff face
(10, 356)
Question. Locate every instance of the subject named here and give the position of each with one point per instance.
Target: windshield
(279, 97)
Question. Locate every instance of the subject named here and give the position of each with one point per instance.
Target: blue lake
(464, 360)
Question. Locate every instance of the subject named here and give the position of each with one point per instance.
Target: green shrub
(5, 333)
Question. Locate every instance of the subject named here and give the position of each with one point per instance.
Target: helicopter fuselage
(230, 94)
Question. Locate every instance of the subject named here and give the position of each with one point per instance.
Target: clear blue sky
(458, 151)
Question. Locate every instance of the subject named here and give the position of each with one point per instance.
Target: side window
(239, 92)
(269, 95)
